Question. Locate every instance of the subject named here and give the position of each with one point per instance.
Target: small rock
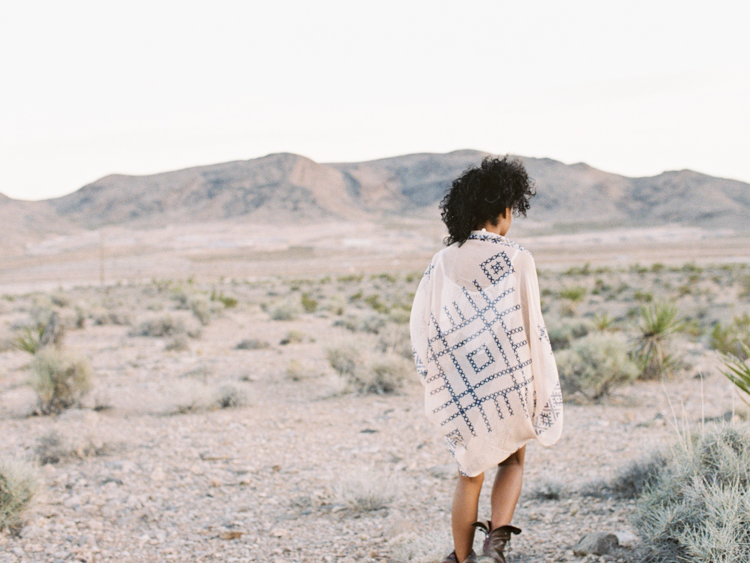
(626, 539)
(596, 543)
(30, 532)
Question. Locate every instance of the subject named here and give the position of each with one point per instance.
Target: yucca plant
(603, 322)
(29, 339)
(738, 372)
(658, 322)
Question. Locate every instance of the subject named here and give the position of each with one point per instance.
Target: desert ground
(253, 397)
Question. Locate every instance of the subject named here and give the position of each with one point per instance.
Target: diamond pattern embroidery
(479, 316)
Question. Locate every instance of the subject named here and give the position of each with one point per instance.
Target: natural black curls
(482, 194)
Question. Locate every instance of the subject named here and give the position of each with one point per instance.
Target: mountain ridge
(286, 187)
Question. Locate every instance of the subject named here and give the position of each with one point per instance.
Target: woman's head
(483, 194)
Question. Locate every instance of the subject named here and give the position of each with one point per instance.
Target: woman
(482, 350)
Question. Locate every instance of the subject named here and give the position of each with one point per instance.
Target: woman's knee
(516, 458)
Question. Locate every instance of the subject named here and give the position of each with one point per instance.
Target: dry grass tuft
(59, 380)
(18, 484)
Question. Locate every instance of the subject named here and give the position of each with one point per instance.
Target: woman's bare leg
(507, 489)
(464, 513)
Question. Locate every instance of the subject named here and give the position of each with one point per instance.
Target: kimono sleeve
(547, 415)
(419, 323)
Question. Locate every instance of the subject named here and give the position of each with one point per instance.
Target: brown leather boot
(495, 542)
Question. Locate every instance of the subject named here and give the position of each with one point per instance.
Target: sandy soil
(297, 469)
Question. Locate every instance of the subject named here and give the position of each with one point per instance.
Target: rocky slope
(281, 188)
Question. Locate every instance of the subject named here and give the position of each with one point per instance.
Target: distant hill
(21, 221)
(280, 188)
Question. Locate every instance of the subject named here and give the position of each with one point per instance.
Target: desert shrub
(375, 302)
(228, 301)
(59, 380)
(202, 310)
(309, 304)
(698, 507)
(593, 365)
(738, 372)
(18, 484)
(730, 339)
(603, 322)
(230, 396)
(365, 492)
(385, 375)
(28, 339)
(400, 315)
(564, 333)
(293, 337)
(629, 482)
(253, 344)
(550, 489)
(658, 322)
(633, 479)
(574, 294)
(296, 371)
(53, 448)
(643, 296)
(285, 312)
(111, 317)
(192, 396)
(345, 359)
(396, 341)
(372, 324)
(178, 343)
(160, 327)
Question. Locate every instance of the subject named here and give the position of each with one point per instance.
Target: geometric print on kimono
(479, 347)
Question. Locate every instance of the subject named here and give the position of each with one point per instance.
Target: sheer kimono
(482, 352)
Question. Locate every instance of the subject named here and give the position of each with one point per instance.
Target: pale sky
(139, 87)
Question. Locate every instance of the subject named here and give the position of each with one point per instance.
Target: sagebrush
(697, 509)
(59, 380)
(18, 484)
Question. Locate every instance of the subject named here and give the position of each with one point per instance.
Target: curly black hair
(483, 194)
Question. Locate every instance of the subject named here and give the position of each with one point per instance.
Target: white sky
(138, 87)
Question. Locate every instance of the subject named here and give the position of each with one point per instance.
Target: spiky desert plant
(59, 380)
(658, 322)
(731, 339)
(738, 372)
(603, 322)
(18, 484)
(28, 339)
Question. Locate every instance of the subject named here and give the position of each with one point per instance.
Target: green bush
(344, 359)
(697, 509)
(160, 327)
(381, 374)
(226, 300)
(575, 294)
(59, 380)
(18, 484)
(253, 344)
(562, 334)
(309, 304)
(593, 365)
(285, 312)
(730, 339)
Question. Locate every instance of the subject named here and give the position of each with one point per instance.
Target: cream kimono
(482, 352)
